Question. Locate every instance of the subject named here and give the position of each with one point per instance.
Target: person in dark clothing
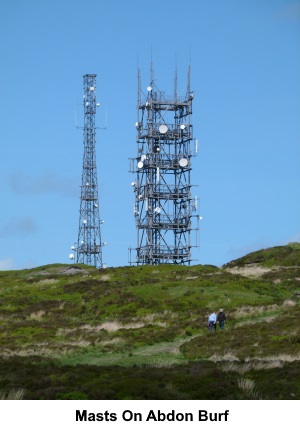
(221, 318)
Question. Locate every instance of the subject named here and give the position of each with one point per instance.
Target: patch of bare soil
(250, 271)
(72, 270)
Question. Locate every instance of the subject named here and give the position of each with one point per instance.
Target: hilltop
(75, 332)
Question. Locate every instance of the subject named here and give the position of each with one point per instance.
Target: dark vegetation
(74, 332)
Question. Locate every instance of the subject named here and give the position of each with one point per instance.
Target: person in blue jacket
(212, 322)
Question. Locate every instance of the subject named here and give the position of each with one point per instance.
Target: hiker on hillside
(221, 318)
(212, 322)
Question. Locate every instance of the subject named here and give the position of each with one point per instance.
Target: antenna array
(164, 206)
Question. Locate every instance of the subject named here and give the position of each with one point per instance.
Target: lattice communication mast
(89, 246)
(164, 206)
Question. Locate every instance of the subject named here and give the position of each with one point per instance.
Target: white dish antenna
(157, 210)
(71, 256)
(182, 126)
(140, 164)
(183, 162)
(84, 221)
(72, 247)
(163, 128)
(92, 88)
(149, 89)
(143, 157)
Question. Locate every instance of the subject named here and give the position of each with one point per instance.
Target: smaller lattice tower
(164, 206)
(89, 245)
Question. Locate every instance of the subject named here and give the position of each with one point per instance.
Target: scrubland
(75, 332)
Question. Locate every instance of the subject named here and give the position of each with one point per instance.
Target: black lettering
(130, 416)
(203, 415)
(92, 417)
(213, 416)
(113, 417)
(84, 416)
(226, 413)
(99, 417)
(151, 416)
(81, 416)
(162, 416)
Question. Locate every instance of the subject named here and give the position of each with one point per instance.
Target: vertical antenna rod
(89, 246)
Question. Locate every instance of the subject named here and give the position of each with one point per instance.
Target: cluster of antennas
(164, 206)
(75, 248)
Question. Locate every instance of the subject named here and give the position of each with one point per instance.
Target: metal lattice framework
(89, 245)
(164, 206)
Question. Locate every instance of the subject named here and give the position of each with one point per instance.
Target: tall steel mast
(89, 244)
(164, 206)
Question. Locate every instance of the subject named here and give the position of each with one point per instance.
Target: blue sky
(245, 73)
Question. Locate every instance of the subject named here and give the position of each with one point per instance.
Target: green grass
(288, 255)
(73, 323)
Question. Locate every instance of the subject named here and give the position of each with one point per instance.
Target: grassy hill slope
(72, 332)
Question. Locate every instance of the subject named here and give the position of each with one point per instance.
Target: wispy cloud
(22, 183)
(20, 227)
(295, 238)
(7, 264)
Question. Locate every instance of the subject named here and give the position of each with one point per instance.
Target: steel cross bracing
(89, 246)
(164, 206)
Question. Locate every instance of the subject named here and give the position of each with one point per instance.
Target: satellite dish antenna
(163, 128)
(149, 88)
(71, 256)
(140, 164)
(143, 157)
(182, 126)
(72, 247)
(157, 210)
(183, 162)
(84, 221)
